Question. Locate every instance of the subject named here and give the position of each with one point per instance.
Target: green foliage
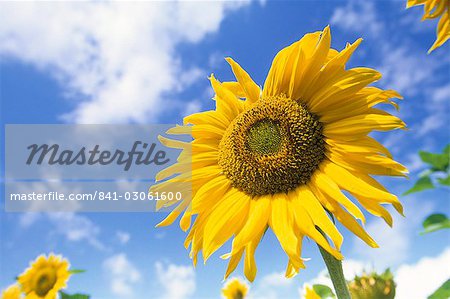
(442, 292)
(439, 164)
(444, 181)
(435, 222)
(423, 183)
(74, 296)
(76, 271)
(323, 291)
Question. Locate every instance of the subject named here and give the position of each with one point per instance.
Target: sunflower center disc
(273, 147)
(264, 137)
(45, 283)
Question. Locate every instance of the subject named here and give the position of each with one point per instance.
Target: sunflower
(434, 9)
(12, 292)
(45, 277)
(235, 289)
(373, 285)
(279, 157)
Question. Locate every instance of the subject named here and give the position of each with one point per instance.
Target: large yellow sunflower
(280, 157)
(235, 289)
(12, 292)
(434, 9)
(45, 277)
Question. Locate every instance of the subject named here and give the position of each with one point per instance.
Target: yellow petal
(226, 219)
(317, 213)
(328, 187)
(233, 263)
(282, 224)
(209, 118)
(258, 217)
(249, 263)
(250, 88)
(343, 217)
(354, 184)
(307, 227)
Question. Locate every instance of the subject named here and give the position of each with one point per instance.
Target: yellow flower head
(12, 292)
(310, 293)
(435, 9)
(279, 157)
(45, 277)
(235, 289)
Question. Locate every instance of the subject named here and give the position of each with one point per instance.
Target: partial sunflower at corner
(435, 9)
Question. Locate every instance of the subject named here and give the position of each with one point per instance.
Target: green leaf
(447, 150)
(323, 291)
(444, 181)
(74, 296)
(76, 271)
(435, 222)
(442, 292)
(439, 162)
(423, 183)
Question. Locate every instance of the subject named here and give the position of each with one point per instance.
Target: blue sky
(148, 63)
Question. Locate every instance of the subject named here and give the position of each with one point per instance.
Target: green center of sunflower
(273, 147)
(264, 137)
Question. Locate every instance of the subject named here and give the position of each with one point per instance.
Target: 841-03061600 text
(97, 195)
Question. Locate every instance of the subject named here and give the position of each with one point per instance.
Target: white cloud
(123, 237)
(123, 275)
(76, 228)
(403, 70)
(271, 286)
(359, 16)
(423, 278)
(441, 94)
(276, 279)
(63, 218)
(118, 60)
(178, 281)
(438, 111)
(414, 163)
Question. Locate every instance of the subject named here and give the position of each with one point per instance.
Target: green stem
(334, 267)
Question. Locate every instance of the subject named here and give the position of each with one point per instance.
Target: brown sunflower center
(238, 295)
(273, 147)
(45, 280)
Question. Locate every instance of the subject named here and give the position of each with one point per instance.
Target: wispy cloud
(123, 237)
(359, 16)
(117, 61)
(438, 110)
(177, 281)
(122, 274)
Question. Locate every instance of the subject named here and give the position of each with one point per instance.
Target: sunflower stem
(334, 267)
